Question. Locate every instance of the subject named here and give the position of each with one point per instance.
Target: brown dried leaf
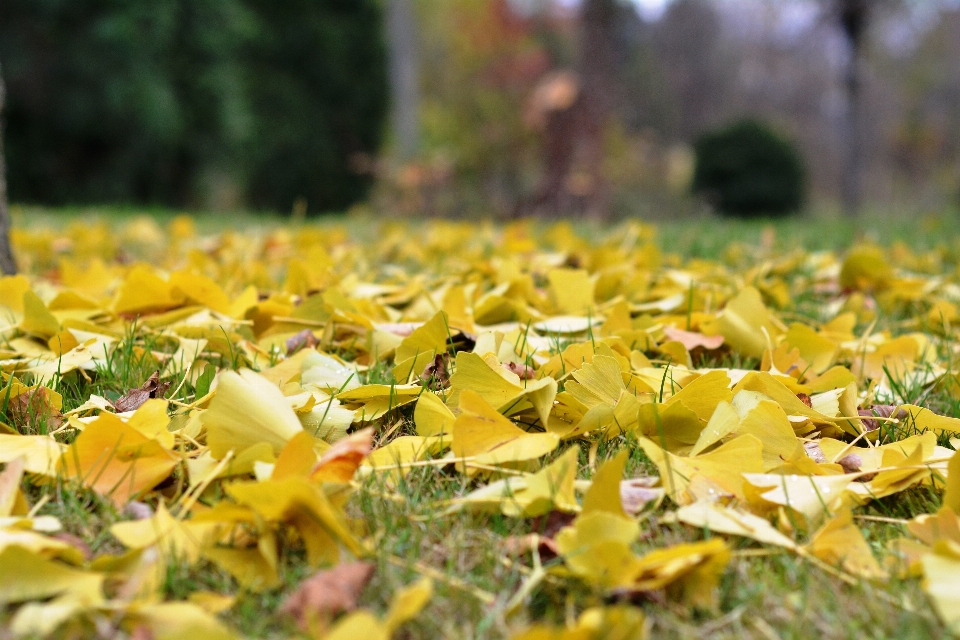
(805, 399)
(637, 493)
(304, 339)
(436, 375)
(851, 463)
(879, 411)
(150, 389)
(524, 372)
(32, 404)
(814, 452)
(327, 593)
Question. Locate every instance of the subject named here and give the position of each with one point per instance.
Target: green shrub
(747, 170)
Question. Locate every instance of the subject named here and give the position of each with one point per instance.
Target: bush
(747, 170)
(177, 102)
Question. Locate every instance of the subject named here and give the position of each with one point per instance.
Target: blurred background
(601, 108)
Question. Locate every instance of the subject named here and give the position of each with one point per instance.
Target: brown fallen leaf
(134, 398)
(879, 411)
(637, 493)
(524, 372)
(303, 340)
(814, 452)
(805, 399)
(436, 375)
(327, 593)
(32, 406)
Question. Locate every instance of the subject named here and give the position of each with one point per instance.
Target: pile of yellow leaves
(289, 360)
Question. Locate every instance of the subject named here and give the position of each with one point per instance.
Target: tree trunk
(404, 80)
(854, 18)
(7, 263)
(598, 74)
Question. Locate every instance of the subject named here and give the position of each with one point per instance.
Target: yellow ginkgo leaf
(811, 496)
(41, 454)
(689, 572)
(840, 543)
(407, 603)
(724, 467)
(604, 491)
(37, 319)
(304, 506)
(503, 390)
(181, 539)
(482, 433)
(431, 416)
(940, 571)
(143, 291)
(951, 497)
(199, 289)
(571, 291)
(742, 323)
(30, 576)
(418, 349)
(596, 547)
(550, 489)
(177, 620)
(247, 410)
(704, 394)
(151, 420)
(715, 517)
(116, 460)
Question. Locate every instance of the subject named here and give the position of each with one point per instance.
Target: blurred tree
(854, 17)
(7, 263)
(316, 78)
(192, 102)
(404, 77)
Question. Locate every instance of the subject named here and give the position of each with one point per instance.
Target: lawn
(780, 395)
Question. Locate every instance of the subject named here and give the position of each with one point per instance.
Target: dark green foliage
(747, 170)
(173, 101)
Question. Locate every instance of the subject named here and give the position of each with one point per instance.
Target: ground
(471, 556)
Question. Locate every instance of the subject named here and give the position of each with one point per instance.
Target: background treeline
(201, 103)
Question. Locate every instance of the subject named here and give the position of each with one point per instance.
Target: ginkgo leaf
(940, 571)
(714, 517)
(597, 548)
(550, 489)
(811, 496)
(305, 507)
(29, 576)
(503, 391)
(724, 467)
(482, 433)
(248, 410)
(604, 493)
(742, 323)
(116, 460)
(181, 539)
(691, 572)
(178, 620)
(40, 454)
(951, 497)
(431, 416)
(37, 319)
(839, 542)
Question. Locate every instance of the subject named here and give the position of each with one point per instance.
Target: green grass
(763, 595)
